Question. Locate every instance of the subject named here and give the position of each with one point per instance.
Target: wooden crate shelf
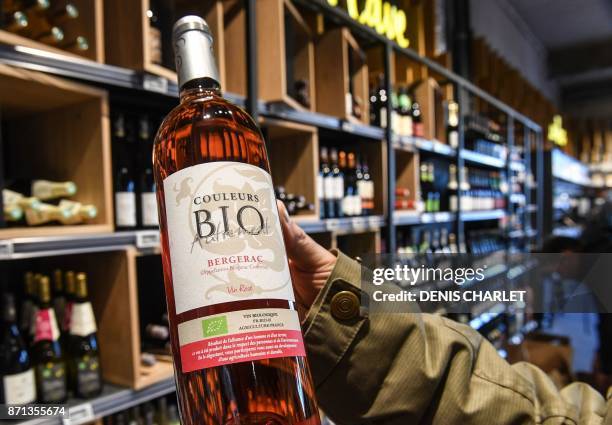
(344, 65)
(89, 24)
(407, 175)
(359, 244)
(294, 155)
(285, 53)
(57, 130)
(226, 19)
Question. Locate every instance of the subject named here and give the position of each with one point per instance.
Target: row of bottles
(156, 412)
(480, 189)
(38, 202)
(294, 203)
(134, 184)
(406, 114)
(43, 21)
(344, 185)
(485, 241)
(49, 347)
(427, 240)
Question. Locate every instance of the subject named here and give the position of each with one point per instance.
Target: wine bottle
(338, 184)
(46, 190)
(11, 198)
(217, 207)
(16, 22)
(17, 384)
(155, 34)
(64, 14)
(46, 213)
(53, 36)
(27, 305)
(125, 200)
(367, 195)
(69, 292)
(12, 212)
(148, 201)
(59, 296)
(322, 182)
(50, 368)
(77, 44)
(84, 363)
(78, 212)
(329, 185)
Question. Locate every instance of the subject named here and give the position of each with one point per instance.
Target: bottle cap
(193, 50)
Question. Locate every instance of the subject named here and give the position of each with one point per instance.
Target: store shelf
(403, 218)
(112, 400)
(280, 111)
(481, 159)
(22, 248)
(604, 167)
(92, 72)
(517, 166)
(482, 215)
(412, 144)
(348, 224)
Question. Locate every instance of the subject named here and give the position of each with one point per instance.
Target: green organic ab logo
(214, 326)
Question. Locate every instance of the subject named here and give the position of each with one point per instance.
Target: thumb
(302, 250)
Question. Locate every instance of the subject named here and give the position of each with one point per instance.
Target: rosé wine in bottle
(235, 333)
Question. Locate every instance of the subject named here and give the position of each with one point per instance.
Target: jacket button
(345, 305)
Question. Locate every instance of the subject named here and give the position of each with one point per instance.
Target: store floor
(581, 328)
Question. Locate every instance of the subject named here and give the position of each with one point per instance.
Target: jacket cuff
(328, 335)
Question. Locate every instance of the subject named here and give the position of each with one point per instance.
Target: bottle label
(82, 319)
(46, 326)
(320, 188)
(52, 382)
(88, 374)
(226, 244)
(149, 209)
(125, 208)
(329, 187)
(19, 388)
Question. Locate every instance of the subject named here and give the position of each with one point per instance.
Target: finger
(303, 251)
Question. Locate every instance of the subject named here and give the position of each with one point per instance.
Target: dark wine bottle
(84, 359)
(125, 200)
(17, 383)
(47, 355)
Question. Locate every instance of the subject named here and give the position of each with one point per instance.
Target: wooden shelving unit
(58, 130)
(332, 83)
(89, 24)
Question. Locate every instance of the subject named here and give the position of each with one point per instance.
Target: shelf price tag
(147, 239)
(359, 224)
(79, 414)
(332, 224)
(154, 83)
(6, 249)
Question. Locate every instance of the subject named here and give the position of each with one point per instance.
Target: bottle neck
(199, 88)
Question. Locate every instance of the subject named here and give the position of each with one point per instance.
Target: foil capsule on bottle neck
(193, 50)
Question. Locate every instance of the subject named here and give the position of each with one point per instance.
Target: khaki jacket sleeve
(418, 368)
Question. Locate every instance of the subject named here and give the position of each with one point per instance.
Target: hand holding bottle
(309, 262)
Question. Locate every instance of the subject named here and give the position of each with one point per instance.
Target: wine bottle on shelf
(338, 184)
(46, 190)
(417, 119)
(59, 296)
(12, 213)
(77, 44)
(452, 188)
(161, 413)
(17, 383)
(65, 13)
(359, 182)
(155, 34)
(35, 6)
(148, 201)
(125, 200)
(405, 112)
(452, 124)
(192, 185)
(69, 293)
(49, 364)
(47, 213)
(27, 305)
(16, 22)
(324, 184)
(173, 416)
(54, 36)
(84, 363)
(78, 212)
(10, 197)
(351, 191)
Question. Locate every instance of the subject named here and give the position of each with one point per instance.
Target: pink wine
(236, 339)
